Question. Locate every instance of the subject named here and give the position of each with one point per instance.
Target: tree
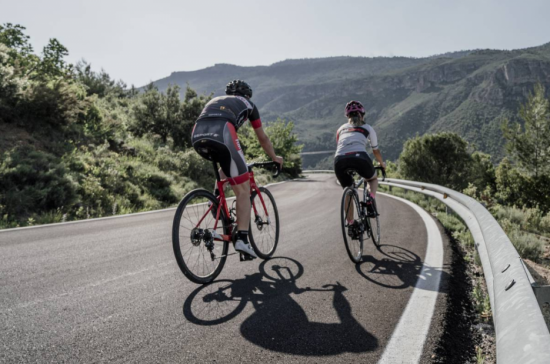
(442, 159)
(482, 172)
(190, 110)
(165, 115)
(99, 84)
(149, 115)
(20, 50)
(284, 140)
(10, 85)
(52, 63)
(530, 146)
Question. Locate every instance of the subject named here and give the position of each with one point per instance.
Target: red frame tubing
(253, 187)
(222, 203)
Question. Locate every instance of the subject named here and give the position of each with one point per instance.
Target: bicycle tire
(375, 226)
(288, 266)
(264, 240)
(191, 208)
(355, 250)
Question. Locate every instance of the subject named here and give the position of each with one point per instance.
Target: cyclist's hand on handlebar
(383, 165)
(279, 159)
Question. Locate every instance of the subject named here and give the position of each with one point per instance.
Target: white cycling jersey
(352, 139)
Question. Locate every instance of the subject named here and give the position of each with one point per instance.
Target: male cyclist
(351, 139)
(214, 137)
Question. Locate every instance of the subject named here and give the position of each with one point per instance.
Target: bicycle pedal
(245, 257)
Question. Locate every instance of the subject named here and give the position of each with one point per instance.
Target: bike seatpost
(216, 171)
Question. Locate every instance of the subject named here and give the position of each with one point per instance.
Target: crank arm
(223, 256)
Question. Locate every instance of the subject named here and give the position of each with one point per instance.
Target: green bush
(482, 172)
(528, 245)
(284, 142)
(441, 159)
(33, 182)
(545, 224)
(198, 168)
(513, 214)
(528, 219)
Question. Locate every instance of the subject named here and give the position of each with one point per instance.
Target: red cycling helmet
(354, 106)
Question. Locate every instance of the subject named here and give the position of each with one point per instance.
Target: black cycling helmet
(238, 87)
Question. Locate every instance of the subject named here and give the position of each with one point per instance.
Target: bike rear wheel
(264, 224)
(375, 226)
(192, 223)
(354, 247)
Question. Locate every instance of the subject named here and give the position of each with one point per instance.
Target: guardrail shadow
(278, 322)
(399, 269)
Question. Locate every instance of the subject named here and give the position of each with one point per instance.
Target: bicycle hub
(196, 236)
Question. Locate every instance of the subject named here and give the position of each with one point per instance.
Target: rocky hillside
(468, 92)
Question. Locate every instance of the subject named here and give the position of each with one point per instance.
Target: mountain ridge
(469, 92)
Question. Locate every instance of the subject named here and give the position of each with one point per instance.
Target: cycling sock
(243, 235)
(350, 222)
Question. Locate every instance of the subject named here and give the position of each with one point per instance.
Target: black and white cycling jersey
(351, 139)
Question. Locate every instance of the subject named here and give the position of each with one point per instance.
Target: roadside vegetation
(77, 144)
(516, 191)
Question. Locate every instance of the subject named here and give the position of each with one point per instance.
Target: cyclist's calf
(242, 193)
(373, 185)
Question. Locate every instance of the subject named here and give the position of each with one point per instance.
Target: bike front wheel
(199, 256)
(264, 223)
(350, 203)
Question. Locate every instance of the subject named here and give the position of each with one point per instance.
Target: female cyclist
(351, 153)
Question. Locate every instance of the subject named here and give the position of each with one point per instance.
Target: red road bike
(204, 224)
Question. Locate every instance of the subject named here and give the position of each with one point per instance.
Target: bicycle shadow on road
(278, 322)
(399, 268)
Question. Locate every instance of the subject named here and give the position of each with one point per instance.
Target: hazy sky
(138, 41)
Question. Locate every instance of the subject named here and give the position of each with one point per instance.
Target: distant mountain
(468, 92)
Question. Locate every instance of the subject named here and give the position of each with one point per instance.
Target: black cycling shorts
(360, 162)
(216, 140)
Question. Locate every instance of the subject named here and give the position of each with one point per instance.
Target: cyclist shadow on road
(399, 268)
(278, 322)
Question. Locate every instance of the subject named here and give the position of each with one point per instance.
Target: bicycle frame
(222, 203)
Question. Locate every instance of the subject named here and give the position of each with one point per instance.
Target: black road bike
(366, 220)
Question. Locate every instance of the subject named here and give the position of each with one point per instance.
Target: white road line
(86, 220)
(275, 184)
(407, 341)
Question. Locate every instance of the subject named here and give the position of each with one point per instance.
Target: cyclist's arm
(267, 146)
(378, 157)
(374, 144)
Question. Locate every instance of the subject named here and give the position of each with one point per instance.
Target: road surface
(110, 290)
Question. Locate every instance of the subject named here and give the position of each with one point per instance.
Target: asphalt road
(111, 290)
